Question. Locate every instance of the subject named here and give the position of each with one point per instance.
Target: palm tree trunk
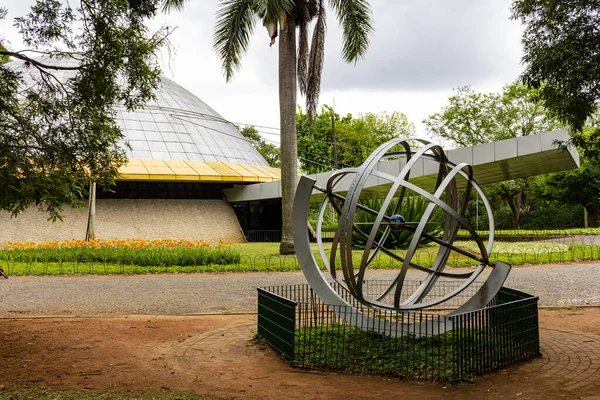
(287, 115)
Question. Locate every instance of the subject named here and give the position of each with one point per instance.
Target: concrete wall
(211, 220)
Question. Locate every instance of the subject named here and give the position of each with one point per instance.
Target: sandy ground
(214, 354)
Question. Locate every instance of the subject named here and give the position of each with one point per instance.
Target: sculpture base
(308, 333)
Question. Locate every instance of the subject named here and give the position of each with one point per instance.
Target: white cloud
(421, 50)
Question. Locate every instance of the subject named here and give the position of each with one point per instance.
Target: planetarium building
(182, 155)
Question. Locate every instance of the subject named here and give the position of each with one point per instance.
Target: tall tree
(472, 118)
(270, 152)
(299, 62)
(3, 58)
(356, 137)
(56, 136)
(580, 186)
(561, 44)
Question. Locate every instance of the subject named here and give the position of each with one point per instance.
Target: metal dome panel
(175, 126)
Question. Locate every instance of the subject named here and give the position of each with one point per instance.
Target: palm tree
(302, 63)
(171, 5)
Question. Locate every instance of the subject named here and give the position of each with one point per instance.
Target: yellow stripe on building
(267, 171)
(204, 171)
(134, 170)
(183, 171)
(194, 171)
(247, 174)
(228, 173)
(260, 175)
(159, 170)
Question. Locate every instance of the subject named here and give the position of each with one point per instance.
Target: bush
(145, 253)
(412, 209)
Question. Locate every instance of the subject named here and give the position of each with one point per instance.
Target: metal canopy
(492, 162)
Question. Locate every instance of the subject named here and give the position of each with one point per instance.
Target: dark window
(164, 190)
(259, 215)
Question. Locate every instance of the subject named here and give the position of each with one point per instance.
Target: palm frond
(235, 25)
(315, 63)
(271, 10)
(172, 5)
(412, 209)
(303, 55)
(355, 17)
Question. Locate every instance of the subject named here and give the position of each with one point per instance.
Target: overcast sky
(420, 52)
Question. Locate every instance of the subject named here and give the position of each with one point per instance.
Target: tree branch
(37, 63)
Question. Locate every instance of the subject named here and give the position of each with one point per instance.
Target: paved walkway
(571, 358)
(177, 294)
(593, 240)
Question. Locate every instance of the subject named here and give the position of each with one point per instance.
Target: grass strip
(270, 263)
(256, 257)
(446, 357)
(536, 232)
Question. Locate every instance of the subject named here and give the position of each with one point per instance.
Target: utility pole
(90, 233)
(335, 157)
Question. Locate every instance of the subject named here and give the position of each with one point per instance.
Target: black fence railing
(270, 235)
(274, 235)
(502, 334)
(548, 253)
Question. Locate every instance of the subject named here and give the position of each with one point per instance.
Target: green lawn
(265, 257)
(254, 249)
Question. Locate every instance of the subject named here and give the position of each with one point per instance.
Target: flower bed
(138, 252)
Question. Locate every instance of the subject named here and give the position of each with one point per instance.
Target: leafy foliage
(542, 211)
(236, 20)
(235, 25)
(57, 135)
(356, 138)
(3, 58)
(269, 151)
(355, 19)
(472, 118)
(134, 252)
(412, 209)
(580, 186)
(561, 44)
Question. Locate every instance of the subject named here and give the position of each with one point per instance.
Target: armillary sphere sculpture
(443, 197)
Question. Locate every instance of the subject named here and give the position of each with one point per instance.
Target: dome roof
(175, 126)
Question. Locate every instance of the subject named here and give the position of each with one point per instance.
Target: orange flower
(111, 243)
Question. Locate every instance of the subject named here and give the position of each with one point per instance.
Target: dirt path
(214, 355)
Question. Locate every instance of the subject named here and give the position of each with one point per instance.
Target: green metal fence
(502, 334)
(277, 322)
